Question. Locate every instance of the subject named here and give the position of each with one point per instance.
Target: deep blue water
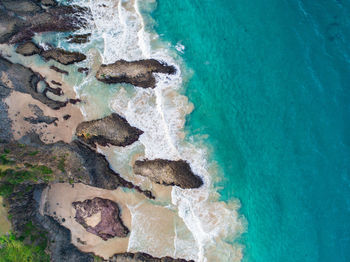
(271, 88)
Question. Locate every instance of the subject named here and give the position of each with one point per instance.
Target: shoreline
(190, 218)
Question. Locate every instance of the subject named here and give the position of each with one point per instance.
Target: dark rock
(56, 83)
(24, 209)
(28, 49)
(21, 7)
(10, 25)
(142, 257)
(6, 133)
(66, 117)
(59, 70)
(109, 225)
(137, 73)
(83, 70)
(78, 39)
(74, 101)
(48, 2)
(57, 19)
(62, 56)
(168, 173)
(113, 129)
(24, 80)
(40, 117)
(84, 164)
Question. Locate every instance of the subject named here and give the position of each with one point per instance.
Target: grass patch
(61, 164)
(13, 249)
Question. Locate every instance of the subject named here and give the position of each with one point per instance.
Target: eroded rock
(113, 129)
(169, 173)
(143, 257)
(100, 217)
(22, 79)
(28, 49)
(62, 56)
(137, 73)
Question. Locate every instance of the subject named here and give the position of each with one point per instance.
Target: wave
(119, 32)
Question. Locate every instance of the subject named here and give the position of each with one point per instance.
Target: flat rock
(28, 49)
(167, 172)
(137, 73)
(22, 79)
(62, 56)
(100, 217)
(113, 129)
(78, 39)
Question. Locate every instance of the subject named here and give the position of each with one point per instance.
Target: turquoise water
(271, 89)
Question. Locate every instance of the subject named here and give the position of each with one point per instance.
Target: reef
(110, 130)
(168, 172)
(138, 73)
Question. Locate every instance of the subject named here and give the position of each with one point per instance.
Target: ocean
(270, 84)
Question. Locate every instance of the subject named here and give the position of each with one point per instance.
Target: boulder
(167, 172)
(62, 56)
(113, 129)
(100, 217)
(137, 73)
(28, 49)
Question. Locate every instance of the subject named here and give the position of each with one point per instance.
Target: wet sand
(153, 227)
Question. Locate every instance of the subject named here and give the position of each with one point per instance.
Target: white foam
(161, 113)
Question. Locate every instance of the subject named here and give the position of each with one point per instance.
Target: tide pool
(270, 87)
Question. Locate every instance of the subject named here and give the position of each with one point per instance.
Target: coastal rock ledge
(138, 73)
(113, 129)
(168, 173)
(100, 217)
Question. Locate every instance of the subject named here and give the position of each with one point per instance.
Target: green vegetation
(12, 174)
(13, 249)
(61, 164)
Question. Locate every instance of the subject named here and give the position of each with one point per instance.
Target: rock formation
(113, 129)
(137, 73)
(100, 217)
(168, 172)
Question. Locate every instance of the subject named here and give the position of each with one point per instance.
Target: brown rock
(28, 49)
(168, 172)
(78, 39)
(62, 56)
(59, 70)
(143, 257)
(137, 73)
(113, 129)
(100, 217)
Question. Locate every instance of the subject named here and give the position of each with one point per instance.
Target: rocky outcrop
(59, 70)
(62, 56)
(40, 117)
(48, 3)
(78, 39)
(21, 7)
(168, 173)
(113, 130)
(143, 257)
(100, 217)
(24, 210)
(22, 79)
(22, 26)
(28, 49)
(137, 73)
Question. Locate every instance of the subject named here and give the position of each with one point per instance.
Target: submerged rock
(137, 73)
(59, 70)
(100, 217)
(62, 56)
(113, 129)
(168, 173)
(78, 39)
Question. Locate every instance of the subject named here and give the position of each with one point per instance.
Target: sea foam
(118, 32)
